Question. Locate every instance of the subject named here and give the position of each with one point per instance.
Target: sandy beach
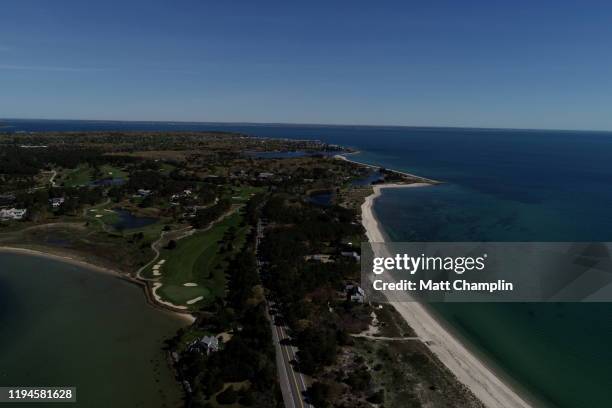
(421, 180)
(469, 369)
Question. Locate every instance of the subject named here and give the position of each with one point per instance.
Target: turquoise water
(62, 325)
(501, 185)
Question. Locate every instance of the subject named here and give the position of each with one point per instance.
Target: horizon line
(304, 124)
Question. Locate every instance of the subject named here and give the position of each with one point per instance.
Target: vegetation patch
(201, 259)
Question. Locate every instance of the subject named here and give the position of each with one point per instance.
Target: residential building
(13, 213)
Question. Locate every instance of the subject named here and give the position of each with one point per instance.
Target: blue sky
(456, 63)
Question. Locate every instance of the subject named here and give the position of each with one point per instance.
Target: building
(13, 213)
(323, 258)
(185, 194)
(351, 254)
(143, 193)
(208, 344)
(57, 202)
(355, 293)
(6, 199)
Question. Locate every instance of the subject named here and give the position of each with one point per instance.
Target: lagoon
(67, 325)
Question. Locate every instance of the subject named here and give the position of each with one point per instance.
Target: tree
(318, 394)
(229, 396)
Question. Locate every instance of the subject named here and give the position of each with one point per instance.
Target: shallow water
(63, 325)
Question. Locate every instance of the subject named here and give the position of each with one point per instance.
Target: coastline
(186, 317)
(420, 180)
(470, 370)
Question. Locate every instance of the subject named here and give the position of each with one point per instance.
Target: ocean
(499, 185)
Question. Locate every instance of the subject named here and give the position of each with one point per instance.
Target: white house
(354, 293)
(143, 192)
(210, 344)
(56, 202)
(12, 213)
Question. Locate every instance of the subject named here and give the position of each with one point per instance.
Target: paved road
(293, 384)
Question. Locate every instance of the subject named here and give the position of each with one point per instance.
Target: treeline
(75, 198)
(304, 290)
(205, 216)
(249, 355)
(15, 160)
(329, 224)
(146, 176)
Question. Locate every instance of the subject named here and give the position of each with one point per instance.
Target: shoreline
(464, 364)
(420, 180)
(186, 317)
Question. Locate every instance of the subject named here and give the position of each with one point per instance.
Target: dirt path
(156, 248)
(370, 337)
(183, 233)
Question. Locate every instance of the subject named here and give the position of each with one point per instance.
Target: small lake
(66, 325)
(107, 182)
(374, 177)
(323, 198)
(127, 221)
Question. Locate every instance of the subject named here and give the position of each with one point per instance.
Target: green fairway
(112, 171)
(84, 174)
(76, 177)
(199, 260)
(243, 193)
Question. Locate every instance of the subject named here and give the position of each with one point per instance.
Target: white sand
(158, 299)
(468, 369)
(195, 300)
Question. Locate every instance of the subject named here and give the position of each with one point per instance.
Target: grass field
(102, 218)
(112, 171)
(76, 177)
(241, 195)
(198, 259)
(83, 175)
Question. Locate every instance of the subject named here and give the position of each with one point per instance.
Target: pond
(106, 182)
(371, 178)
(323, 198)
(127, 220)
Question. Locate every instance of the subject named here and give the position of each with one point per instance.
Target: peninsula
(257, 242)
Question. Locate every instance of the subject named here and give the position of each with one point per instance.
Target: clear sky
(528, 64)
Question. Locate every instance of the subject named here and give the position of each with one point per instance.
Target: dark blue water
(501, 185)
(373, 177)
(128, 221)
(323, 198)
(117, 181)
